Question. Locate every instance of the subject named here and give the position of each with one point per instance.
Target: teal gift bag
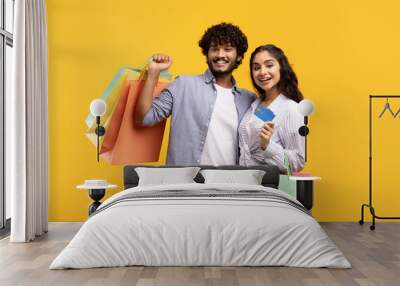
(286, 185)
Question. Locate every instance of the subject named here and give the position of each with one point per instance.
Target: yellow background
(342, 51)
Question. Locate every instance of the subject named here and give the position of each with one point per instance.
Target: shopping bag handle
(164, 74)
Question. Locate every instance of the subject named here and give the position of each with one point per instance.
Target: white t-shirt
(221, 145)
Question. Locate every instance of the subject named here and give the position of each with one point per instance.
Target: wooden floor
(374, 255)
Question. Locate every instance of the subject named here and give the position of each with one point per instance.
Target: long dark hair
(288, 84)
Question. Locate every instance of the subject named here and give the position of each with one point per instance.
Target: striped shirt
(285, 138)
(190, 100)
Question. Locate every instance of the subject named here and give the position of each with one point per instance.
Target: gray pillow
(163, 176)
(248, 177)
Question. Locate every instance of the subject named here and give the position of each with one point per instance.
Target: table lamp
(305, 108)
(98, 109)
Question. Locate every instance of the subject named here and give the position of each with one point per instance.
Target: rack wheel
(372, 227)
(361, 222)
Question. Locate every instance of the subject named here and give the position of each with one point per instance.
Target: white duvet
(183, 231)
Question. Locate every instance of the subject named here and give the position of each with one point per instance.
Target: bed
(201, 223)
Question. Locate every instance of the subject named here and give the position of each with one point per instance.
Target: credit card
(264, 113)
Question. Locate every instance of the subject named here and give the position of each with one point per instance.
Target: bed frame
(270, 179)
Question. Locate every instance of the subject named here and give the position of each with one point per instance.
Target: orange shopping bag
(110, 96)
(124, 142)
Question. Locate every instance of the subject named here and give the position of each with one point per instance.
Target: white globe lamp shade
(306, 107)
(98, 107)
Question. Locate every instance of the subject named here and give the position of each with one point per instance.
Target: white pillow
(248, 177)
(163, 176)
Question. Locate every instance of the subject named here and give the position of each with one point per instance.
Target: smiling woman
(268, 140)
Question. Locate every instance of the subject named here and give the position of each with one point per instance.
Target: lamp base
(96, 195)
(303, 130)
(100, 130)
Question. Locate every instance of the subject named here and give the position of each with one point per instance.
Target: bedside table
(304, 189)
(97, 190)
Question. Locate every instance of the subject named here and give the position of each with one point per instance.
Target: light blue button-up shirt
(190, 102)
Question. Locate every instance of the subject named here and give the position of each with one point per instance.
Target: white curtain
(26, 124)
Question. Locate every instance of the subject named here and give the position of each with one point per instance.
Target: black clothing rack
(370, 206)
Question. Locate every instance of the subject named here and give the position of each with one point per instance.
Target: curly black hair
(288, 84)
(224, 33)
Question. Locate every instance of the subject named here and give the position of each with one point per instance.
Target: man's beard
(218, 73)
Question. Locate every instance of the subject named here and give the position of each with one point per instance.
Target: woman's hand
(266, 133)
(160, 62)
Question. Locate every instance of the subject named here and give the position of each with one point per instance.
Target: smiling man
(206, 109)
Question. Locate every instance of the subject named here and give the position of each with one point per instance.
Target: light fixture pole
(97, 109)
(305, 108)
